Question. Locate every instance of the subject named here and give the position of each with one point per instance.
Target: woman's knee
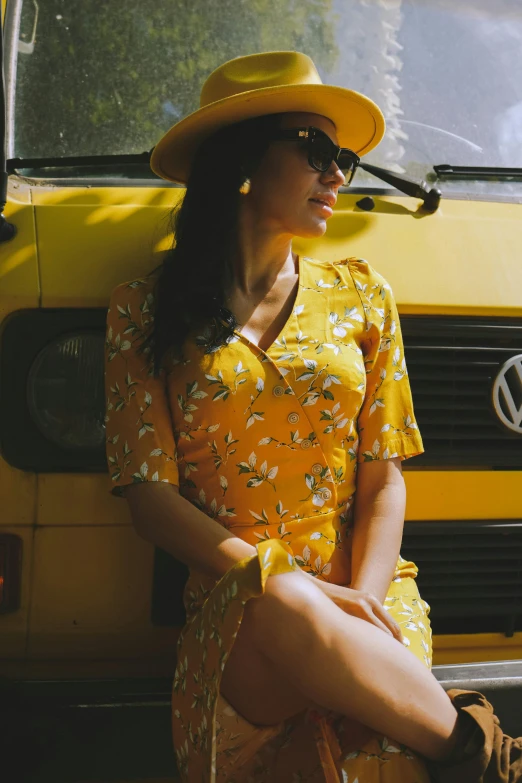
(290, 603)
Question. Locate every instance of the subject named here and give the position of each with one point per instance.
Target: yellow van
(89, 612)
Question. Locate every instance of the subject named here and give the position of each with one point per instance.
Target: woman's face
(284, 185)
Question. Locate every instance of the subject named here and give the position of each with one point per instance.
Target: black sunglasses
(322, 151)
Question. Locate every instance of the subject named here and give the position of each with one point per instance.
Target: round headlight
(65, 391)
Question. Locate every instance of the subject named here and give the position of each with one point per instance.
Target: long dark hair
(190, 287)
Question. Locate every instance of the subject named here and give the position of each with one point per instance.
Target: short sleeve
(386, 422)
(140, 441)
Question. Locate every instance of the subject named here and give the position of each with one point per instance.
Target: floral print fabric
(267, 443)
(214, 743)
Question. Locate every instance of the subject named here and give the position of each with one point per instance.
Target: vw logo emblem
(507, 394)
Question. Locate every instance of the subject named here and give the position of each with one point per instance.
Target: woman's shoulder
(139, 290)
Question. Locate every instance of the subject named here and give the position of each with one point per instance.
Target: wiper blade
(13, 165)
(476, 172)
(430, 198)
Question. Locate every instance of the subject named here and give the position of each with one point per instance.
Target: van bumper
(499, 681)
(119, 730)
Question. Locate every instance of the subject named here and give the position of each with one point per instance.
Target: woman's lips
(323, 206)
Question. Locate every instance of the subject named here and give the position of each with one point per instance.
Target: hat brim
(358, 120)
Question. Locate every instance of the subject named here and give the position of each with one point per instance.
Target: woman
(250, 392)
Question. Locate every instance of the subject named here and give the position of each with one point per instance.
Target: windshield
(109, 78)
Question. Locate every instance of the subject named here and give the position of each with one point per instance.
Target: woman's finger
(384, 618)
(374, 620)
(390, 622)
(369, 608)
(379, 624)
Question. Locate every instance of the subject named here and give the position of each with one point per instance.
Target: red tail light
(10, 572)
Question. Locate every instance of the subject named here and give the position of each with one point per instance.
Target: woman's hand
(360, 604)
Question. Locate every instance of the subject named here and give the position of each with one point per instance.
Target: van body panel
(123, 232)
(84, 499)
(19, 289)
(104, 609)
(462, 494)
(78, 499)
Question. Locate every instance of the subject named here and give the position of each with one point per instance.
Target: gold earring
(245, 187)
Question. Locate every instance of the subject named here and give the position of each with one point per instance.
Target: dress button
(306, 443)
(327, 494)
(317, 468)
(278, 391)
(293, 418)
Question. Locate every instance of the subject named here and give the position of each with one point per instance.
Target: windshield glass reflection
(91, 80)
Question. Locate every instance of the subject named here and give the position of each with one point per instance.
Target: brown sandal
(482, 752)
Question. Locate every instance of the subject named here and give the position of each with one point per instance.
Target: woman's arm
(165, 518)
(168, 520)
(379, 520)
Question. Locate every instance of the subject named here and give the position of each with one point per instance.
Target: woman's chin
(312, 231)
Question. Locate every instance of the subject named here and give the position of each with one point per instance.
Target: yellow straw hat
(267, 83)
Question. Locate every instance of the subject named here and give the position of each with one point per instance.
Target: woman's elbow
(145, 504)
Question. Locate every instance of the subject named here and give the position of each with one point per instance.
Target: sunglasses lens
(321, 152)
(347, 165)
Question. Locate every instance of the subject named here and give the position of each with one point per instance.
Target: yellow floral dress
(267, 444)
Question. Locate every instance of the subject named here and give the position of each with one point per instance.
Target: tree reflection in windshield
(111, 78)
(448, 75)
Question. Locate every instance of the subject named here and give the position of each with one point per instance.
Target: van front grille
(452, 364)
(470, 573)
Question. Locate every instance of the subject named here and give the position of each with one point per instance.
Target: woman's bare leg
(345, 664)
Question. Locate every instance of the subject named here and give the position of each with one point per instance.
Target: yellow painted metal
(124, 231)
(19, 288)
(476, 647)
(462, 260)
(17, 496)
(90, 240)
(78, 499)
(83, 499)
(19, 280)
(91, 596)
(463, 494)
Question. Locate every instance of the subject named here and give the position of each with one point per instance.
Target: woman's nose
(335, 175)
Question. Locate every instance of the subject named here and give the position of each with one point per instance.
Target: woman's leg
(336, 661)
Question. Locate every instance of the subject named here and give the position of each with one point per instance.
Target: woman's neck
(262, 257)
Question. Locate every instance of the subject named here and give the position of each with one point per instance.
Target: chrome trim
(475, 676)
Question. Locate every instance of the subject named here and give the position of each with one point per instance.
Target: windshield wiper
(430, 198)
(476, 172)
(13, 165)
